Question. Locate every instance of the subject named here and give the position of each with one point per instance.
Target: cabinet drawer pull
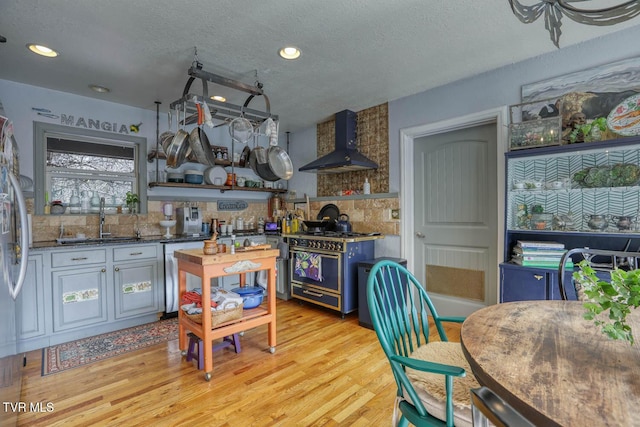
(135, 253)
(82, 258)
(117, 268)
(315, 294)
(537, 277)
(104, 270)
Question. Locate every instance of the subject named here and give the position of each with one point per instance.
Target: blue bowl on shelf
(193, 177)
(252, 295)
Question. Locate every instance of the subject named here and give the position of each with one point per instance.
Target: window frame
(43, 130)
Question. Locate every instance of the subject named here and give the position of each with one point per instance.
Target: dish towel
(309, 265)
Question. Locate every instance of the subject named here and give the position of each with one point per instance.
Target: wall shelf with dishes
(577, 195)
(222, 188)
(578, 180)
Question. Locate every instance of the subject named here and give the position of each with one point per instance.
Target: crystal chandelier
(554, 10)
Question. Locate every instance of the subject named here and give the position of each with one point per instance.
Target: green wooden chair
(433, 388)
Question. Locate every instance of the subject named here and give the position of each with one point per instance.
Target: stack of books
(539, 254)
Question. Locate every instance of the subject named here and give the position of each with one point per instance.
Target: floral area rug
(72, 354)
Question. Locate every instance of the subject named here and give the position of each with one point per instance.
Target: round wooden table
(553, 366)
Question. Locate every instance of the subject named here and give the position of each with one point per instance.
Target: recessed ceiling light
(290, 52)
(99, 89)
(42, 50)
(219, 98)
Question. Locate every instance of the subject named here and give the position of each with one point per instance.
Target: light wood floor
(326, 371)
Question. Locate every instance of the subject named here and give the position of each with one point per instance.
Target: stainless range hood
(345, 157)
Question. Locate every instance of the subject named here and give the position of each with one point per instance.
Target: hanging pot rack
(222, 111)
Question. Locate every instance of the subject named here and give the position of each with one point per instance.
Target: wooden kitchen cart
(206, 267)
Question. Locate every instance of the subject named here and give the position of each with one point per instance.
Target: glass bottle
(74, 203)
(95, 199)
(86, 202)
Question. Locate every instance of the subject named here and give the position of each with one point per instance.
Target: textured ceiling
(355, 54)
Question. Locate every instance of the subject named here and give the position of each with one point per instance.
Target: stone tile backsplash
(47, 227)
(366, 216)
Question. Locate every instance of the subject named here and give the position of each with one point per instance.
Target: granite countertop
(348, 239)
(126, 240)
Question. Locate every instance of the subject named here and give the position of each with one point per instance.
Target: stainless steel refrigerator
(14, 246)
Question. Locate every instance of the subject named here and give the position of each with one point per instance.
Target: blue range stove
(324, 267)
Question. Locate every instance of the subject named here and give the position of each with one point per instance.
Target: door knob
(420, 235)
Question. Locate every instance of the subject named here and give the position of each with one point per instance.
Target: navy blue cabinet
(519, 283)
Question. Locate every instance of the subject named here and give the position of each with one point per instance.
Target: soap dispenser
(366, 188)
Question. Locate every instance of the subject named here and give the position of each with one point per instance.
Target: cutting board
(253, 248)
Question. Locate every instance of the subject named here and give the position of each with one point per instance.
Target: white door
(456, 219)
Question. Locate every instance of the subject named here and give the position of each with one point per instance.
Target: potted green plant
(589, 132)
(131, 201)
(616, 297)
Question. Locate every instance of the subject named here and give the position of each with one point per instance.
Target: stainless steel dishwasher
(171, 274)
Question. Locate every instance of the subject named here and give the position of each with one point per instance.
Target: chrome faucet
(101, 232)
(136, 226)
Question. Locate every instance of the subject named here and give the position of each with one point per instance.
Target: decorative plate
(210, 174)
(625, 118)
(618, 175)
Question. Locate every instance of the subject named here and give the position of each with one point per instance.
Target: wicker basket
(219, 316)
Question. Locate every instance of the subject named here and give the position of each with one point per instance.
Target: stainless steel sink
(96, 241)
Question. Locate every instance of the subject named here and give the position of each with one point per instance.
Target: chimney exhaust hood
(345, 157)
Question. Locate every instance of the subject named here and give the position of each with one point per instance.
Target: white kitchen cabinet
(137, 288)
(73, 293)
(31, 301)
(79, 283)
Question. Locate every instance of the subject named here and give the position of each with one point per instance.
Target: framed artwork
(535, 110)
(593, 92)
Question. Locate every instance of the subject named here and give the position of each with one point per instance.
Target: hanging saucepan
(280, 163)
(167, 137)
(165, 140)
(199, 142)
(260, 155)
(265, 172)
(179, 148)
(257, 155)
